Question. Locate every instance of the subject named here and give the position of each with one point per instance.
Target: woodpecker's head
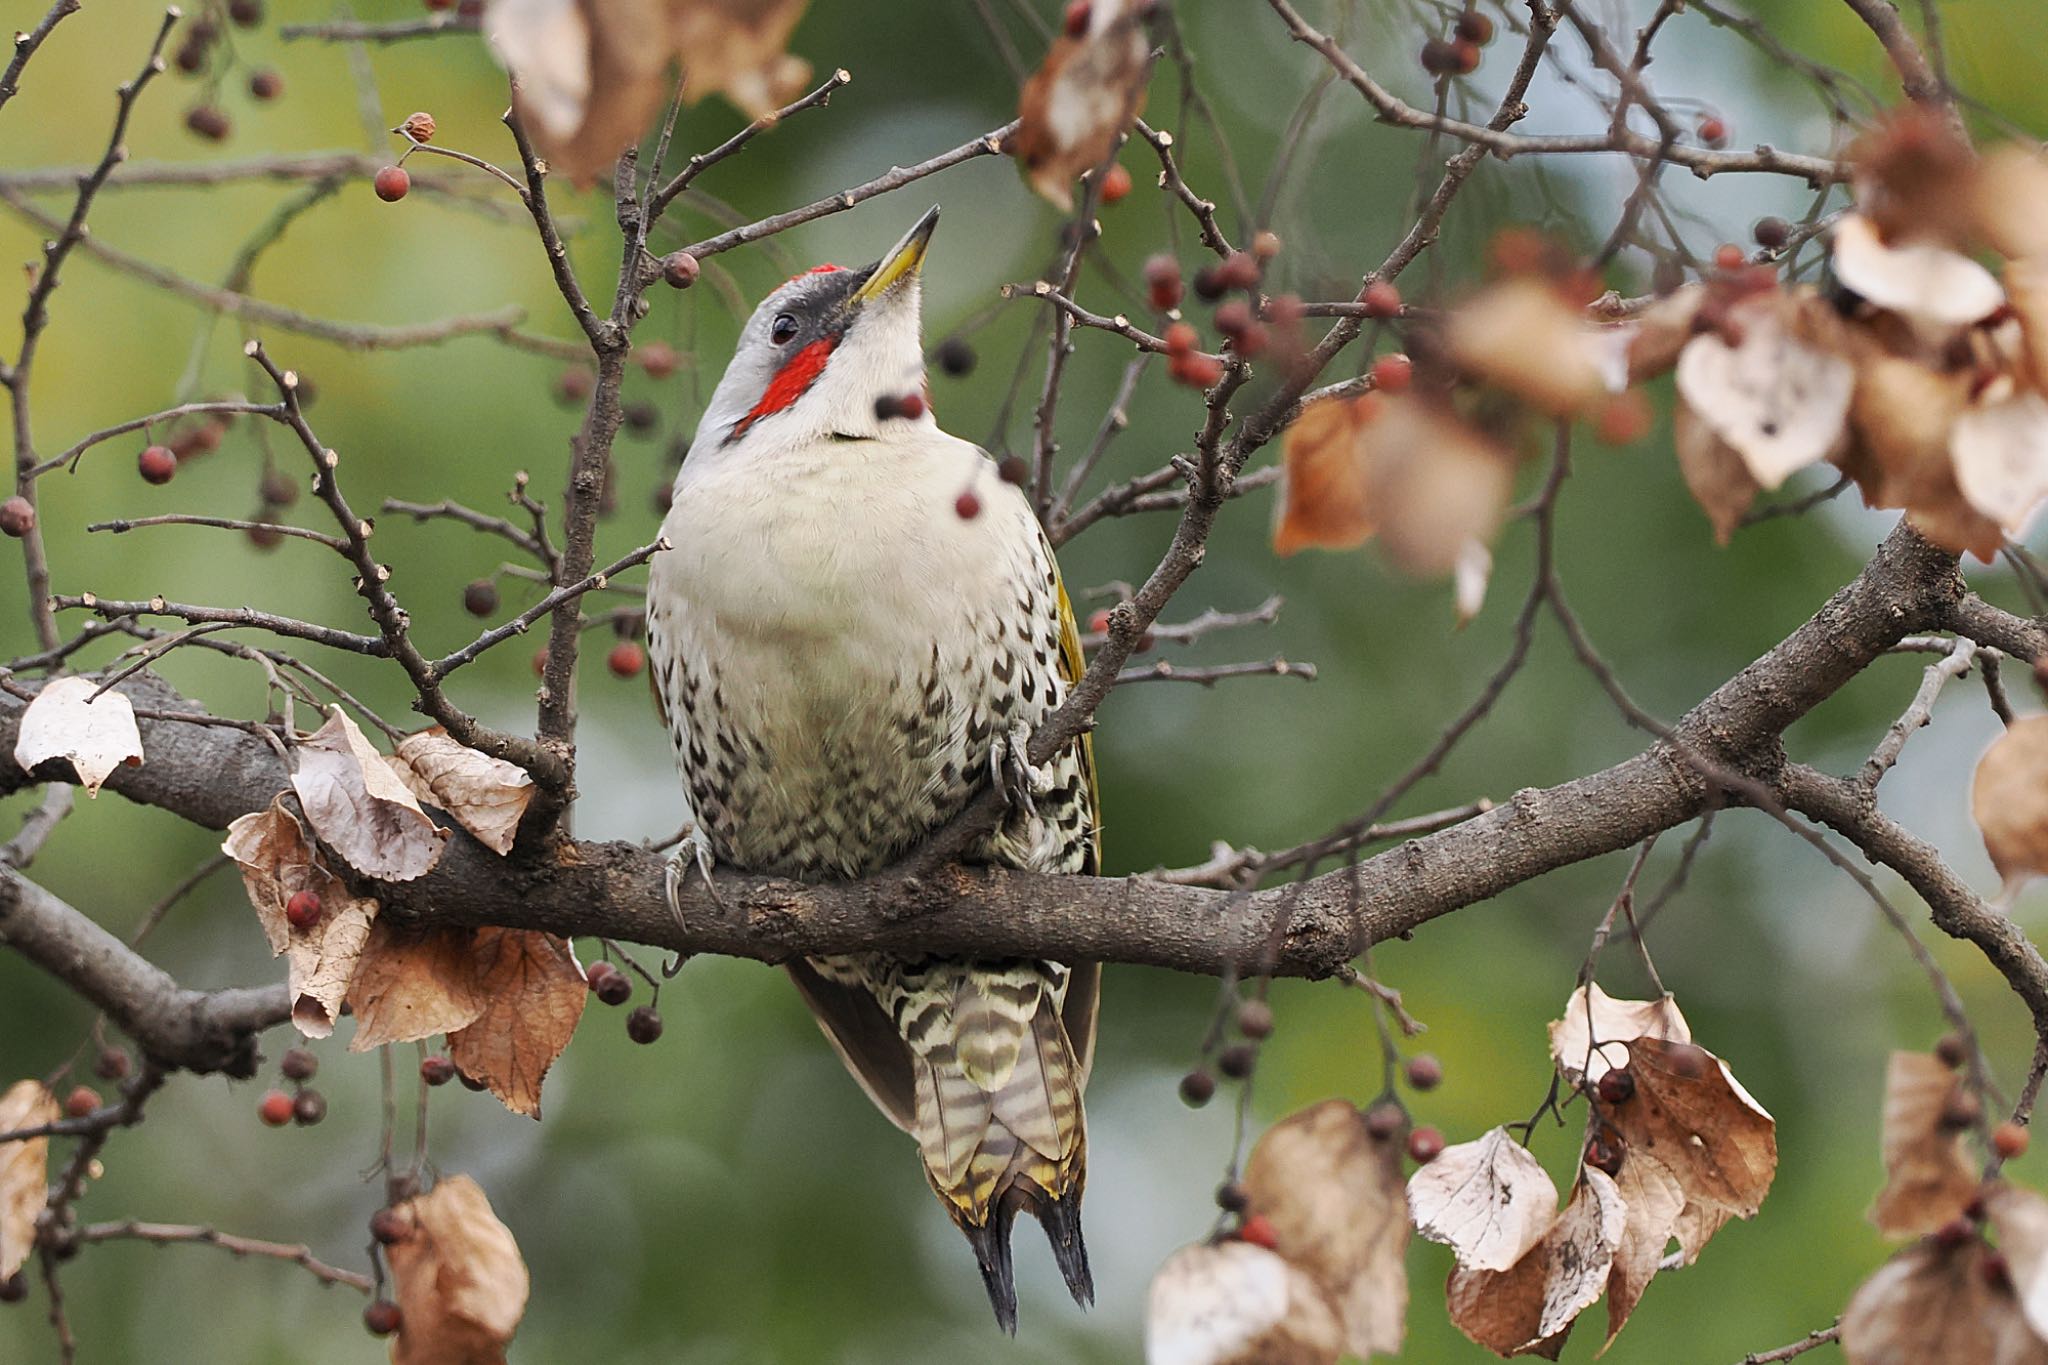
(821, 350)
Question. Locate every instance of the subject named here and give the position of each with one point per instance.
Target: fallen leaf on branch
(1333, 1194)
(590, 76)
(1488, 1200)
(1523, 336)
(360, 807)
(1593, 1016)
(1924, 280)
(1652, 1201)
(1323, 499)
(1932, 1304)
(94, 737)
(2009, 798)
(461, 1285)
(533, 993)
(1928, 1180)
(1779, 400)
(1714, 472)
(1075, 106)
(24, 1170)
(278, 862)
(2001, 458)
(1528, 1308)
(487, 796)
(1233, 1303)
(413, 984)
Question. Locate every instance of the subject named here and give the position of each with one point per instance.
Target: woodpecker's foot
(693, 853)
(1013, 773)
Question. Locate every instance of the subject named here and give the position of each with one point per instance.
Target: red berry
(1425, 1072)
(1474, 27)
(266, 85)
(156, 464)
(1464, 57)
(1425, 1144)
(302, 911)
(480, 598)
(659, 359)
(912, 406)
(1624, 418)
(81, 1101)
(2009, 1140)
(1098, 622)
(1258, 1230)
(383, 1317)
(1233, 317)
(1382, 300)
(575, 384)
(1393, 373)
(1385, 1119)
(609, 984)
(1197, 371)
(1255, 1019)
(540, 662)
(1181, 339)
(391, 183)
(1439, 57)
(967, 506)
(1615, 1086)
(643, 1025)
(309, 1108)
(1116, 183)
(17, 516)
(1163, 282)
(389, 1227)
(275, 1109)
(1012, 470)
(679, 269)
(1729, 256)
(626, 659)
(1771, 233)
(436, 1070)
(1074, 22)
(111, 1065)
(1995, 1270)
(1238, 1060)
(208, 122)
(297, 1064)
(1713, 131)
(1197, 1088)
(438, 4)
(1251, 341)
(1240, 270)
(1954, 1233)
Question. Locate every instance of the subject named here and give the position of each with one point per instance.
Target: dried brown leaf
(1233, 1303)
(1593, 1035)
(1529, 1308)
(1691, 1115)
(1653, 1201)
(278, 861)
(413, 984)
(1904, 417)
(1924, 280)
(487, 796)
(1779, 400)
(2000, 449)
(1072, 109)
(2020, 1218)
(1928, 1180)
(1323, 501)
(1333, 1193)
(739, 48)
(2009, 198)
(93, 736)
(2009, 798)
(2026, 285)
(461, 1285)
(1931, 1305)
(1714, 472)
(1523, 336)
(1435, 483)
(534, 993)
(360, 807)
(1488, 1200)
(1661, 331)
(24, 1170)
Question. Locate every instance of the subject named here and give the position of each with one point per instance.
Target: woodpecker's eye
(782, 329)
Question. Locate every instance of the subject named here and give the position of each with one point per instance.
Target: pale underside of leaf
(2009, 798)
(24, 1170)
(2001, 457)
(1923, 280)
(1233, 1303)
(360, 807)
(1593, 1035)
(1779, 402)
(1488, 1200)
(94, 735)
(487, 796)
(1932, 1305)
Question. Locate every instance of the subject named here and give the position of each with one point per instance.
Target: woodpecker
(856, 631)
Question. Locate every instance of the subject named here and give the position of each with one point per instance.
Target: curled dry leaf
(461, 1285)
(2000, 451)
(2009, 798)
(1926, 281)
(1528, 1308)
(1593, 1017)
(24, 1170)
(414, 984)
(1928, 1180)
(359, 805)
(1933, 1304)
(277, 862)
(1233, 1303)
(1523, 336)
(2020, 1218)
(1653, 1202)
(1714, 472)
(1488, 1200)
(1779, 400)
(2009, 202)
(1075, 106)
(2026, 286)
(487, 796)
(1903, 418)
(1323, 500)
(590, 75)
(533, 993)
(93, 736)
(1333, 1194)
(1661, 332)
(1437, 483)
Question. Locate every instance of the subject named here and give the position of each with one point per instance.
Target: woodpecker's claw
(1012, 770)
(693, 852)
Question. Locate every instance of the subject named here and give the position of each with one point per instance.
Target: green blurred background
(727, 1195)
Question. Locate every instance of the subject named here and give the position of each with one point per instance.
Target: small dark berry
(626, 659)
(1208, 283)
(1615, 1086)
(266, 85)
(659, 359)
(156, 464)
(309, 1108)
(14, 1288)
(470, 1082)
(392, 183)
(1011, 469)
(1963, 1110)
(1464, 57)
(955, 357)
(679, 269)
(1231, 1197)
(1197, 1088)
(436, 1070)
(1258, 1230)
(1116, 183)
(112, 1064)
(2009, 1140)
(1995, 1270)
(1439, 57)
(246, 13)
(1238, 1060)
(1474, 27)
(1240, 270)
(264, 535)
(190, 57)
(17, 516)
(1382, 300)
(641, 418)
(302, 911)
(1425, 1144)
(208, 122)
(1605, 1152)
(643, 1025)
(81, 1101)
(1771, 233)
(1255, 1019)
(1163, 283)
(1954, 1233)
(1385, 1119)
(275, 1109)
(1233, 316)
(383, 1318)
(297, 1064)
(575, 385)
(389, 1227)
(278, 489)
(611, 985)
(1425, 1072)
(967, 506)
(1953, 1051)
(1074, 22)
(480, 598)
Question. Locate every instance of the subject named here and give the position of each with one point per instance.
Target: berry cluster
(303, 1104)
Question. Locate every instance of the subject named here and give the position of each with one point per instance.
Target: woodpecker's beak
(901, 263)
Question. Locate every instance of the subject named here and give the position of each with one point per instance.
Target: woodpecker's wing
(865, 1039)
(1084, 987)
